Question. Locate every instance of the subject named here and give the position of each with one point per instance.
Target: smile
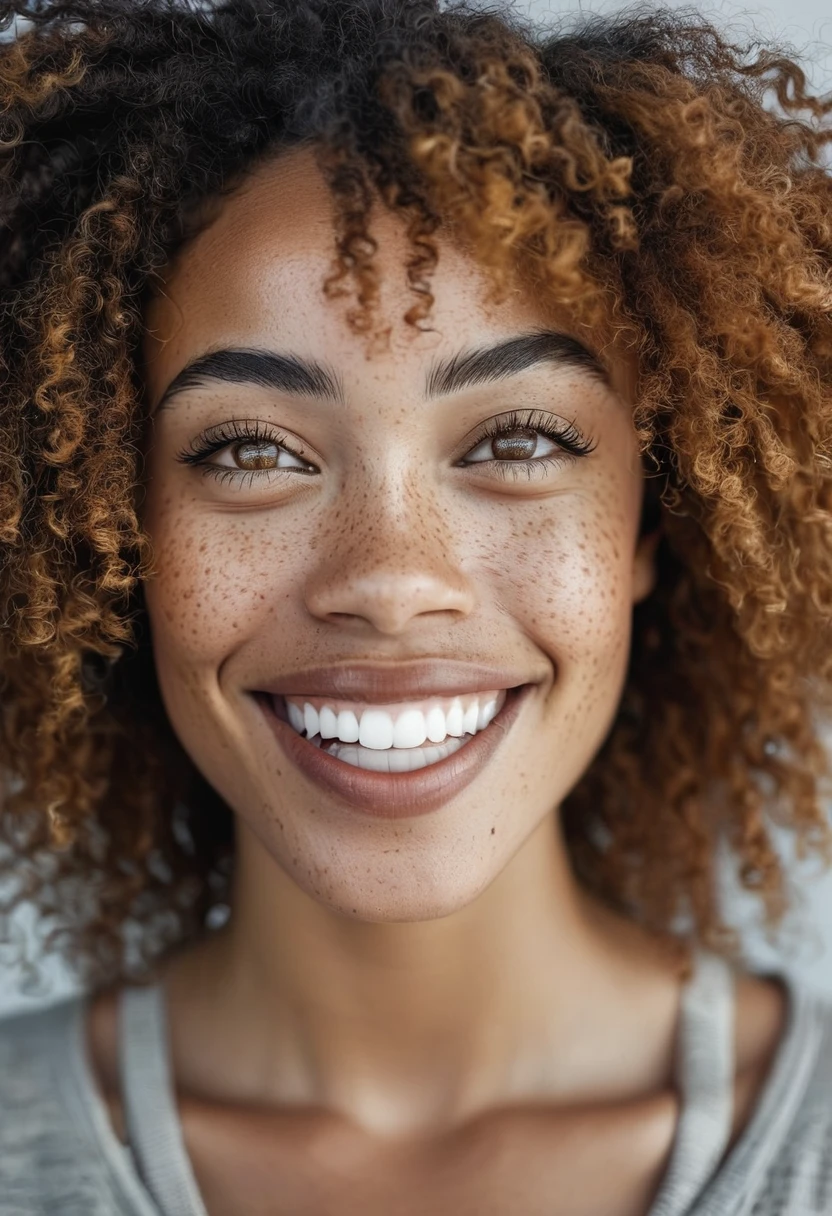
(396, 737)
(396, 759)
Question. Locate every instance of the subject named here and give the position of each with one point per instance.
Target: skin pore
(425, 1012)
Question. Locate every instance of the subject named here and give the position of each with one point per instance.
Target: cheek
(563, 576)
(219, 579)
(564, 573)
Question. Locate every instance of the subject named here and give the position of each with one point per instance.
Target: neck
(532, 992)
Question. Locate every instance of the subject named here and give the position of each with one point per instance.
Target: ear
(645, 571)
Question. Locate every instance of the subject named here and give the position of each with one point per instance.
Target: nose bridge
(389, 555)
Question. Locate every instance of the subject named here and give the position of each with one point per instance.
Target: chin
(379, 890)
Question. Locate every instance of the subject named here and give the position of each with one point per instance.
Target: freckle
(492, 831)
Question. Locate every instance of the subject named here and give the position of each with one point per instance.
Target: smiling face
(355, 513)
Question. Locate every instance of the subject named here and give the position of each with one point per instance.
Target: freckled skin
(396, 978)
(390, 551)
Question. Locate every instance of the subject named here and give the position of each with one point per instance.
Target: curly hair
(625, 167)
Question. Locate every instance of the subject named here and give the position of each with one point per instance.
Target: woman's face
(357, 538)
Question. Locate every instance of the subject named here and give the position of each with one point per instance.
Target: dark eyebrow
(510, 357)
(308, 378)
(238, 365)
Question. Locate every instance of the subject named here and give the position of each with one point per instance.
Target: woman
(416, 510)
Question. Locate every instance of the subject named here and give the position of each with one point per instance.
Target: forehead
(254, 276)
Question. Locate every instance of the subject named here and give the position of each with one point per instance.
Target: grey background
(806, 946)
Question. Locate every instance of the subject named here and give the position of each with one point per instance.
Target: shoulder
(799, 1174)
(781, 1152)
(30, 1045)
(48, 1157)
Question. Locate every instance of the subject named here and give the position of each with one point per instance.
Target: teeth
(453, 720)
(328, 723)
(395, 760)
(435, 725)
(398, 759)
(410, 729)
(375, 729)
(347, 726)
(393, 728)
(310, 720)
(296, 717)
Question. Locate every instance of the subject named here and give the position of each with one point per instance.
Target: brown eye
(251, 456)
(241, 447)
(515, 443)
(519, 444)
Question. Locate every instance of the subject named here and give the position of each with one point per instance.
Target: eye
(264, 454)
(527, 438)
(521, 443)
(241, 448)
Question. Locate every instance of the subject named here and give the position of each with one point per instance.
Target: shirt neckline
(776, 1106)
(777, 1103)
(76, 1083)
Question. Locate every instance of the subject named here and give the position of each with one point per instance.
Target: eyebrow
(266, 368)
(309, 378)
(508, 358)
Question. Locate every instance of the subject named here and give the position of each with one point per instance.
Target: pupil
(519, 445)
(256, 455)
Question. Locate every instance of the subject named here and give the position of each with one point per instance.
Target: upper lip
(401, 681)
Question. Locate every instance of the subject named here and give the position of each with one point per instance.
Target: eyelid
(562, 432)
(565, 434)
(236, 430)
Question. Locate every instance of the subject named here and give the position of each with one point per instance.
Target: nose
(388, 565)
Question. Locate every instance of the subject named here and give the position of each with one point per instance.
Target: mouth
(398, 759)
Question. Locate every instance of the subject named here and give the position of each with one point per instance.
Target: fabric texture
(60, 1157)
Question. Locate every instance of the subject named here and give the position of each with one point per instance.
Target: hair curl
(626, 167)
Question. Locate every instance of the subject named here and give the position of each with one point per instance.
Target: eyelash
(572, 442)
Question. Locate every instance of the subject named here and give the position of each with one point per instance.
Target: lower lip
(397, 795)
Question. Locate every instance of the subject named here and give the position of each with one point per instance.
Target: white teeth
(347, 726)
(407, 729)
(328, 723)
(375, 729)
(310, 720)
(396, 760)
(453, 720)
(400, 760)
(435, 725)
(410, 729)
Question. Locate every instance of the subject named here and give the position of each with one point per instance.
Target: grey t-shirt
(59, 1154)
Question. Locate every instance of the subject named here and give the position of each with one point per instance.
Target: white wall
(807, 26)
